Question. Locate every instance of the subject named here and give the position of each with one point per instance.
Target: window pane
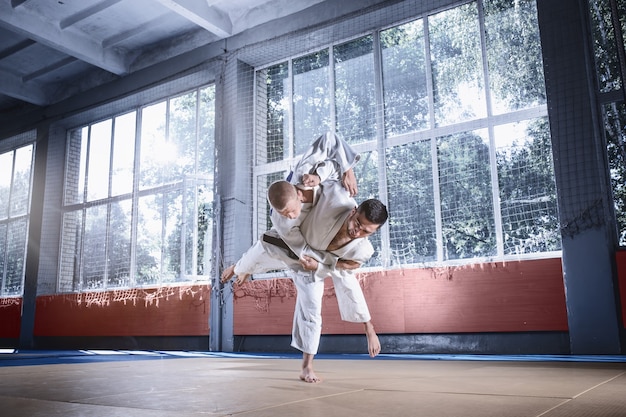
(149, 240)
(94, 251)
(411, 203)
(157, 154)
(6, 168)
(20, 194)
(605, 45)
(273, 95)
(355, 87)
(514, 55)
(182, 134)
(17, 233)
(205, 229)
(206, 136)
(264, 222)
(76, 165)
(366, 171)
(123, 154)
(71, 251)
(527, 188)
(404, 78)
(172, 238)
(466, 196)
(189, 230)
(457, 65)
(204, 191)
(615, 131)
(99, 157)
(621, 12)
(118, 269)
(196, 228)
(311, 99)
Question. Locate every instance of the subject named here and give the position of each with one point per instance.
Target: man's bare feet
(373, 344)
(309, 376)
(228, 274)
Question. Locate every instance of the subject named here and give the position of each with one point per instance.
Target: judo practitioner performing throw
(318, 231)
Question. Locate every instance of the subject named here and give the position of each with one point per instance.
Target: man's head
(284, 198)
(367, 218)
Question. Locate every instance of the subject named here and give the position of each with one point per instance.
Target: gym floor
(168, 384)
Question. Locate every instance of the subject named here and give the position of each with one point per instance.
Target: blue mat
(13, 357)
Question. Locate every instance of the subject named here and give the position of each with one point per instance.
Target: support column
(582, 178)
(234, 188)
(31, 272)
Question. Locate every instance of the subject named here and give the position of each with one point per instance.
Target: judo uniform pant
(307, 318)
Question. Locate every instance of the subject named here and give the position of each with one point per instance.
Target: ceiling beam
(13, 86)
(15, 3)
(49, 68)
(18, 47)
(73, 43)
(208, 17)
(85, 13)
(122, 36)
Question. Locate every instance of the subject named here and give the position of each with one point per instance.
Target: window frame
(15, 144)
(383, 142)
(182, 184)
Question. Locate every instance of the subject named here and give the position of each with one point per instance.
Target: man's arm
(328, 158)
(289, 231)
(351, 257)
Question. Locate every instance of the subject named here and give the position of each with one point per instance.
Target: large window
(16, 170)
(138, 196)
(608, 21)
(449, 114)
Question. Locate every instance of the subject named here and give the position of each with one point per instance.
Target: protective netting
(445, 102)
(608, 24)
(138, 190)
(16, 176)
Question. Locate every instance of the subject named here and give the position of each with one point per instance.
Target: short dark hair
(374, 211)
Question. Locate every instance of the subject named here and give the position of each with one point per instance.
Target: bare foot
(373, 344)
(309, 376)
(228, 274)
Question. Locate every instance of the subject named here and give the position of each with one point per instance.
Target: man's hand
(308, 263)
(347, 264)
(349, 182)
(242, 279)
(229, 273)
(310, 180)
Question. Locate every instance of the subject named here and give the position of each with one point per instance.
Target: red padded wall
(167, 311)
(493, 297)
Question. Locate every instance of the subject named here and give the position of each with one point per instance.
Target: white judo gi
(310, 234)
(319, 227)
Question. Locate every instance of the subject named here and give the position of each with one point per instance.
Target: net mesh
(453, 138)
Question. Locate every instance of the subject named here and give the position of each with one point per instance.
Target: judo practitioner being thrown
(317, 232)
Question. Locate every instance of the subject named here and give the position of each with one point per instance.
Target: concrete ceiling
(53, 49)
